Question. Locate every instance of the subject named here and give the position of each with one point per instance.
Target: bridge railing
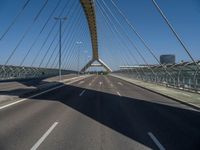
(185, 76)
(15, 72)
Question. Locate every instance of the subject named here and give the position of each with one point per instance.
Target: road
(99, 113)
(10, 91)
(22, 84)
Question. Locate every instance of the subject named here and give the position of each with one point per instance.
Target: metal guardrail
(16, 72)
(184, 76)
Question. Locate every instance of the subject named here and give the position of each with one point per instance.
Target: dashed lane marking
(82, 93)
(90, 84)
(39, 142)
(155, 140)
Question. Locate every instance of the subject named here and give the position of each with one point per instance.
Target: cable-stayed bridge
(80, 74)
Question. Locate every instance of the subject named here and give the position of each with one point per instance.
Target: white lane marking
(81, 82)
(82, 93)
(156, 141)
(90, 84)
(182, 93)
(10, 104)
(186, 95)
(100, 83)
(120, 83)
(49, 90)
(39, 142)
(69, 79)
(109, 81)
(118, 94)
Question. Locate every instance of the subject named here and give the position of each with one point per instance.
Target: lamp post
(79, 45)
(89, 57)
(85, 56)
(60, 19)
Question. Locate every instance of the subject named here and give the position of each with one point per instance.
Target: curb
(174, 99)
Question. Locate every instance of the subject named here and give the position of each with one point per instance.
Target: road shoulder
(186, 98)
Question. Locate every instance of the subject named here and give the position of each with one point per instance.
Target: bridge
(88, 74)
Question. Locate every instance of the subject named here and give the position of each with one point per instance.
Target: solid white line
(120, 83)
(90, 84)
(69, 79)
(49, 90)
(156, 141)
(118, 93)
(182, 93)
(82, 93)
(81, 82)
(186, 94)
(39, 142)
(2, 107)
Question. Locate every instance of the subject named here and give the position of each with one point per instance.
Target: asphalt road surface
(99, 113)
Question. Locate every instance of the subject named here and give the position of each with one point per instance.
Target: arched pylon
(88, 7)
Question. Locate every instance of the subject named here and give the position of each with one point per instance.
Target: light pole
(60, 19)
(79, 45)
(85, 56)
(89, 57)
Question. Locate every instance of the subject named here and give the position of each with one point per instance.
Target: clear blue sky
(183, 14)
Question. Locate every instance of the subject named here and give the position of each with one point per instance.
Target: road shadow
(176, 128)
(27, 87)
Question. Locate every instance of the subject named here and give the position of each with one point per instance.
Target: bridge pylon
(89, 9)
(101, 64)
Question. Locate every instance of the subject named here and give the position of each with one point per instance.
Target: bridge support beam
(102, 64)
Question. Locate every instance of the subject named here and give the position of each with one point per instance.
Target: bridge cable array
(15, 19)
(42, 51)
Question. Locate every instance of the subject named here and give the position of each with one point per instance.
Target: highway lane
(88, 129)
(174, 124)
(13, 90)
(99, 112)
(21, 84)
(23, 123)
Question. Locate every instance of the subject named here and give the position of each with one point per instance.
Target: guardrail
(183, 77)
(16, 72)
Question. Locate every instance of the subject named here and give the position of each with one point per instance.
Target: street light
(60, 19)
(89, 57)
(85, 56)
(79, 44)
